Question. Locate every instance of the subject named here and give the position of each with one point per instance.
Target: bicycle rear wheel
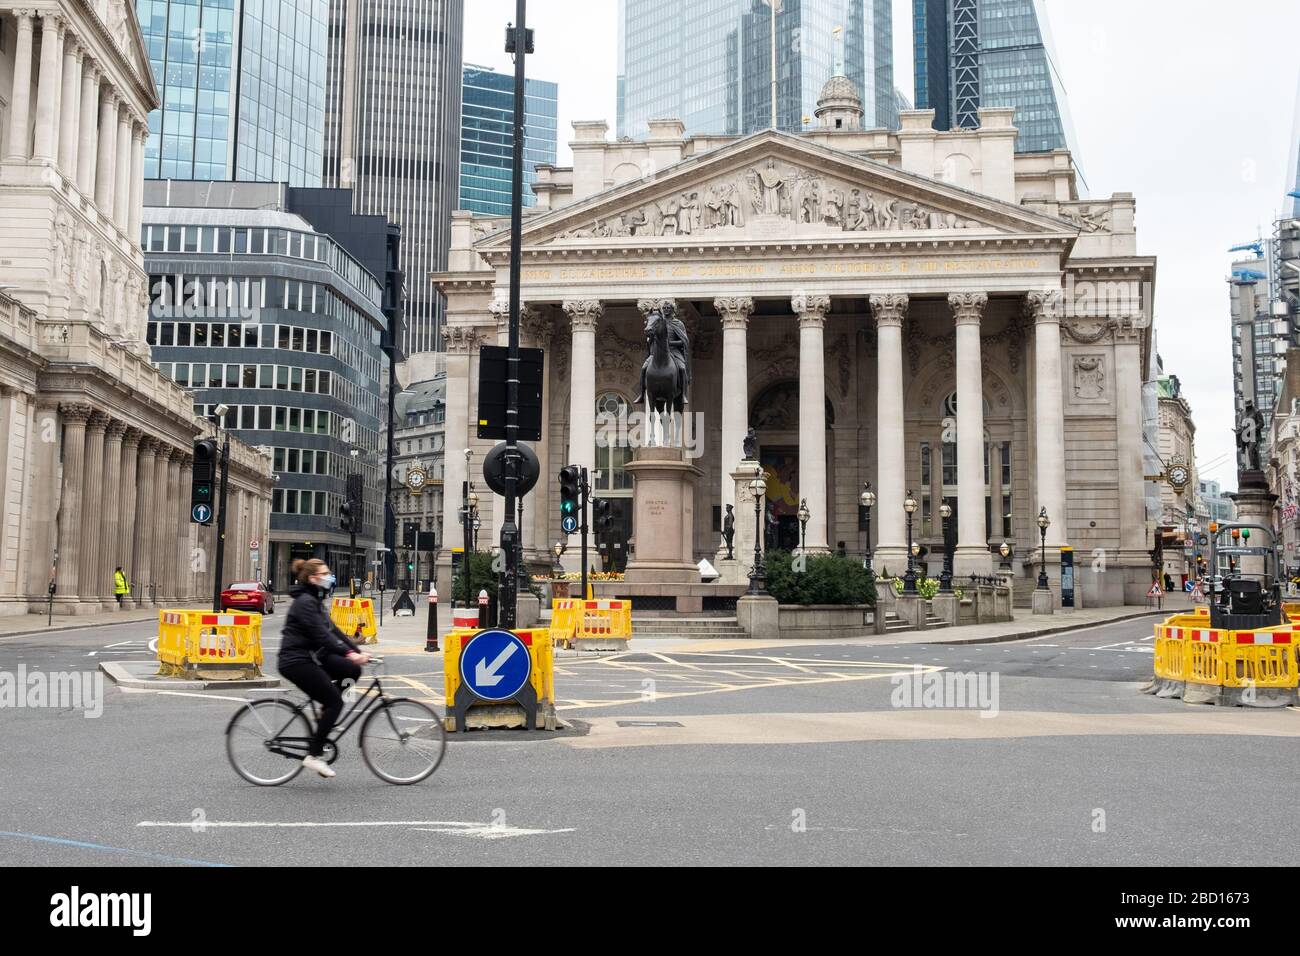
(402, 741)
(255, 729)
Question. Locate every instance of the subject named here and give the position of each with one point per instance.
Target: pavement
(682, 753)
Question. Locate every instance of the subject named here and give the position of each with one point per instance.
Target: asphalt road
(795, 755)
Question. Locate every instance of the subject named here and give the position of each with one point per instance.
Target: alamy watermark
(946, 690)
(60, 690)
(633, 428)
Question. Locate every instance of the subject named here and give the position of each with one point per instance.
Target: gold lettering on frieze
(761, 270)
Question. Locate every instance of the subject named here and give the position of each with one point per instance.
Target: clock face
(415, 479)
(1178, 476)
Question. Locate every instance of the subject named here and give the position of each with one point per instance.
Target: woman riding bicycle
(315, 655)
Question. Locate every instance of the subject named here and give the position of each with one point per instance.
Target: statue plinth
(1254, 505)
(663, 509)
(736, 571)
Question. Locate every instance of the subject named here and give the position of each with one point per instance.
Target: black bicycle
(402, 740)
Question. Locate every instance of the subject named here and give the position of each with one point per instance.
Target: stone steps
(721, 627)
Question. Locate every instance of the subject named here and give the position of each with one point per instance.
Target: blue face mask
(328, 581)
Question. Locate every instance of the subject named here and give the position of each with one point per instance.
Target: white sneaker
(319, 765)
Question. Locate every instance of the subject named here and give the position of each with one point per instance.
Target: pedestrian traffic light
(569, 491)
(203, 481)
(604, 519)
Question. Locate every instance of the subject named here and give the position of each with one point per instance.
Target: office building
(393, 135)
(970, 54)
(487, 137)
(709, 62)
(254, 306)
(242, 89)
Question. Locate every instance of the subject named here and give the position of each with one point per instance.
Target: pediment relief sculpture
(1088, 217)
(775, 194)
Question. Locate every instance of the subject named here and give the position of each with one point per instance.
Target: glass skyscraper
(487, 136)
(242, 84)
(973, 53)
(709, 62)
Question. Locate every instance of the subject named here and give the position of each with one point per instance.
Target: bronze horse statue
(664, 377)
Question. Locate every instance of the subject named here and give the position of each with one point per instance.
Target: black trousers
(320, 683)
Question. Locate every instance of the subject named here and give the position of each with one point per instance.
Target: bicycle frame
(374, 695)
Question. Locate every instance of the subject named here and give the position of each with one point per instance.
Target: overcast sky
(1187, 104)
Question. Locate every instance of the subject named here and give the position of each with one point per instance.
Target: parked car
(248, 596)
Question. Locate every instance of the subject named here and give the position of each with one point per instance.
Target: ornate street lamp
(559, 550)
(867, 499)
(1005, 551)
(909, 579)
(758, 488)
(478, 523)
(1044, 523)
(945, 578)
(804, 515)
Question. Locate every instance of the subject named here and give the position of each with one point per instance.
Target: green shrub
(481, 577)
(825, 579)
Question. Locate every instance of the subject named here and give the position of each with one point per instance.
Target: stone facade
(882, 306)
(96, 445)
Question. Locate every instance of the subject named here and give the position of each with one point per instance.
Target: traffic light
(350, 517)
(203, 482)
(569, 491)
(408, 536)
(604, 519)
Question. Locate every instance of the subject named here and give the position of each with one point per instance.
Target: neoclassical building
(925, 311)
(95, 445)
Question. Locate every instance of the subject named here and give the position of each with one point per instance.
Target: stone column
(1049, 422)
(812, 310)
(69, 108)
(110, 512)
(735, 313)
(172, 506)
(186, 581)
(122, 187)
(105, 173)
(91, 574)
(47, 88)
(126, 522)
(583, 315)
(140, 133)
(74, 418)
(461, 340)
(87, 134)
(157, 548)
(145, 520)
(890, 554)
(20, 108)
(972, 553)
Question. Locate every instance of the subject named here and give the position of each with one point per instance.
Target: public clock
(1179, 476)
(416, 480)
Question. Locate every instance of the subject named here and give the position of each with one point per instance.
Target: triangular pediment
(773, 186)
(119, 17)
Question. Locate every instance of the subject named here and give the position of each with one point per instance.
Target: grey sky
(1188, 104)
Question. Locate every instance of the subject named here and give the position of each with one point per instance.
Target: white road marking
(487, 831)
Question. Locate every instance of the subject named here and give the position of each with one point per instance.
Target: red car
(248, 596)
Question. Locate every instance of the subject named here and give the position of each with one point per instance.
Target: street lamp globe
(868, 497)
(804, 513)
(473, 499)
(1005, 550)
(916, 549)
(758, 486)
(945, 511)
(909, 504)
(1044, 522)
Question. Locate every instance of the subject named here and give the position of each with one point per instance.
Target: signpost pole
(217, 570)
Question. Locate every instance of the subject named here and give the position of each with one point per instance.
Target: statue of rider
(679, 349)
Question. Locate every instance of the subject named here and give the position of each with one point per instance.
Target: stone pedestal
(663, 502)
(736, 570)
(759, 615)
(528, 609)
(945, 606)
(1254, 506)
(1044, 602)
(911, 608)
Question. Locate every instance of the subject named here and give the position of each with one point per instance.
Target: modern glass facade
(974, 53)
(709, 62)
(487, 137)
(255, 309)
(242, 84)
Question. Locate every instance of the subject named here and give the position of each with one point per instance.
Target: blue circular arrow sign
(495, 665)
(201, 513)
(569, 524)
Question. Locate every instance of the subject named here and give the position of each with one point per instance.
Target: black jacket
(308, 633)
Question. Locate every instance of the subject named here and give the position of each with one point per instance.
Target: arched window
(613, 451)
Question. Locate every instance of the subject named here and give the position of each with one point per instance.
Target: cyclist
(315, 655)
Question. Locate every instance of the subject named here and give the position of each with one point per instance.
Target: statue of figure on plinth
(666, 372)
(729, 530)
(751, 446)
(1249, 430)
(770, 538)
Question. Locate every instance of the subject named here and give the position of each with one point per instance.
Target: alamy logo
(946, 690)
(75, 908)
(61, 690)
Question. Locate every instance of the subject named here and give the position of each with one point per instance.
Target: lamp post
(945, 578)
(1044, 523)
(558, 548)
(758, 487)
(1005, 551)
(867, 499)
(804, 515)
(478, 523)
(909, 579)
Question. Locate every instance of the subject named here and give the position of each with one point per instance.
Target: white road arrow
(486, 676)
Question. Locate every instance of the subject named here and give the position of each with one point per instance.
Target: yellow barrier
(218, 646)
(541, 676)
(1259, 659)
(1171, 658)
(1204, 662)
(1292, 610)
(600, 625)
(564, 620)
(348, 613)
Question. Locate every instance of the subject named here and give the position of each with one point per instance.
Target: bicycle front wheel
(402, 741)
(266, 741)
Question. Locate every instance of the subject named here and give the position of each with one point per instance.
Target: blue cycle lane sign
(495, 665)
(201, 513)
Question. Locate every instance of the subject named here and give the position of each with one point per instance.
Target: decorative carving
(584, 314)
(500, 309)
(460, 339)
(537, 327)
(889, 309)
(116, 428)
(1044, 305)
(734, 310)
(131, 438)
(777, 408)
(775, 362)
(1089, 332)
(62, 247)
(967, 307)
(98, 420)
(811, 309)
(1089, 218)
(1089, 378)
(845, 364)
(73, 412)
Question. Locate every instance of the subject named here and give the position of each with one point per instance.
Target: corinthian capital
(734, 310)
(889, 309)
(967, 307)
(500, 309)
(584, 314)
(1044, 305)
(811, 309)
(460, 339)
(75, 413)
